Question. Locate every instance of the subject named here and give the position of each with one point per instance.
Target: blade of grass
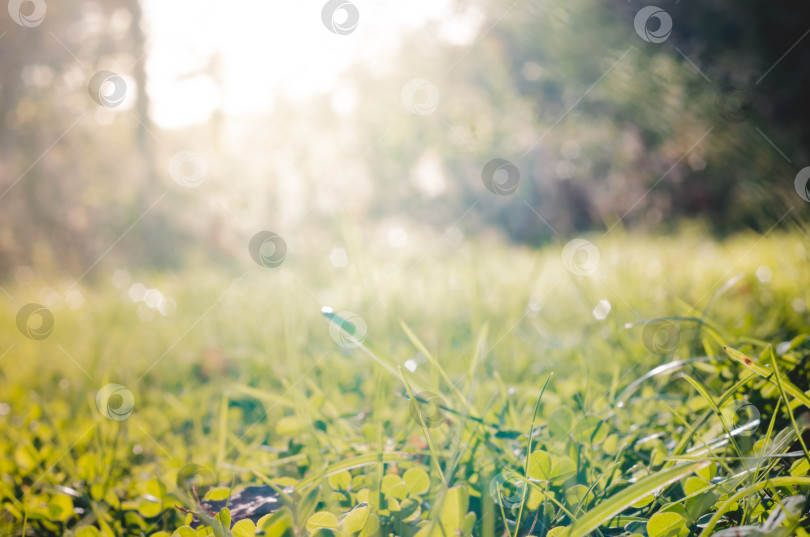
(503, 511)
(480, 344)
(664, 369)
(349, 464)
(487, 510)
(779, 382)
(626, 497)
(223, 428)
(769, 434)
(685, 318)
(593, 485)
(263, 396)
(279, 490)
(341, 323)
(684, 441)
(464, 415)
(775, 482)
(766, 373)
(702, 391)
(529, 448)
(421, 348)
(380, 465)
(299, 457)
(425, 431)
(508, 407)
(550, 497)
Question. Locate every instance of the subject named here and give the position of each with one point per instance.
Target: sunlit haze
(259, 50)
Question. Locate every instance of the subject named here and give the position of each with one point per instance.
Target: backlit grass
(245, 380)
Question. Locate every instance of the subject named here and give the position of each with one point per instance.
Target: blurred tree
(603, 125)
(70, 183)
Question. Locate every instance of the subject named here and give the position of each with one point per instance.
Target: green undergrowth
(481, 390)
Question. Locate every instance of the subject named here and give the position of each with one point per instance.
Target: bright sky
(267, 47)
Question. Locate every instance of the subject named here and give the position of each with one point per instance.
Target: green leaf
(156, 488)
(536, 497)
(452, 505)
(666, 525)
(222, 522)
(575, 495)
(454, 509)
(92, 531)
(60, 507)
(695, 484)
(388, 481)
(307, 504)
(628, 496)
(218, 494)
(278, 524)
(244, 528)
(327, 532)
(417, 480)
(560, 421)
(708, 472)
(540, 466)
(182, 531)
(149, 507)
(469, 523)
(427, 530)
(355, 520)
(800, 467)
(611, 444)
(372, 527)
(289, 426)
(322, 519)
(590, 430)
(340, 480)
(399, 491)
(410, 509)
(562, 469)
(646, 500)
(26, 456)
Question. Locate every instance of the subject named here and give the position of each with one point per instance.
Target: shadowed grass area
(247, 379)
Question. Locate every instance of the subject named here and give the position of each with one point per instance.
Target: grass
(413, 419)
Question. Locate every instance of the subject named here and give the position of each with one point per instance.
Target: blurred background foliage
(605, 129)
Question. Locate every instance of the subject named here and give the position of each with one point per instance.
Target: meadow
(464, 388)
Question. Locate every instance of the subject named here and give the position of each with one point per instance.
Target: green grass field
(247, 382)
